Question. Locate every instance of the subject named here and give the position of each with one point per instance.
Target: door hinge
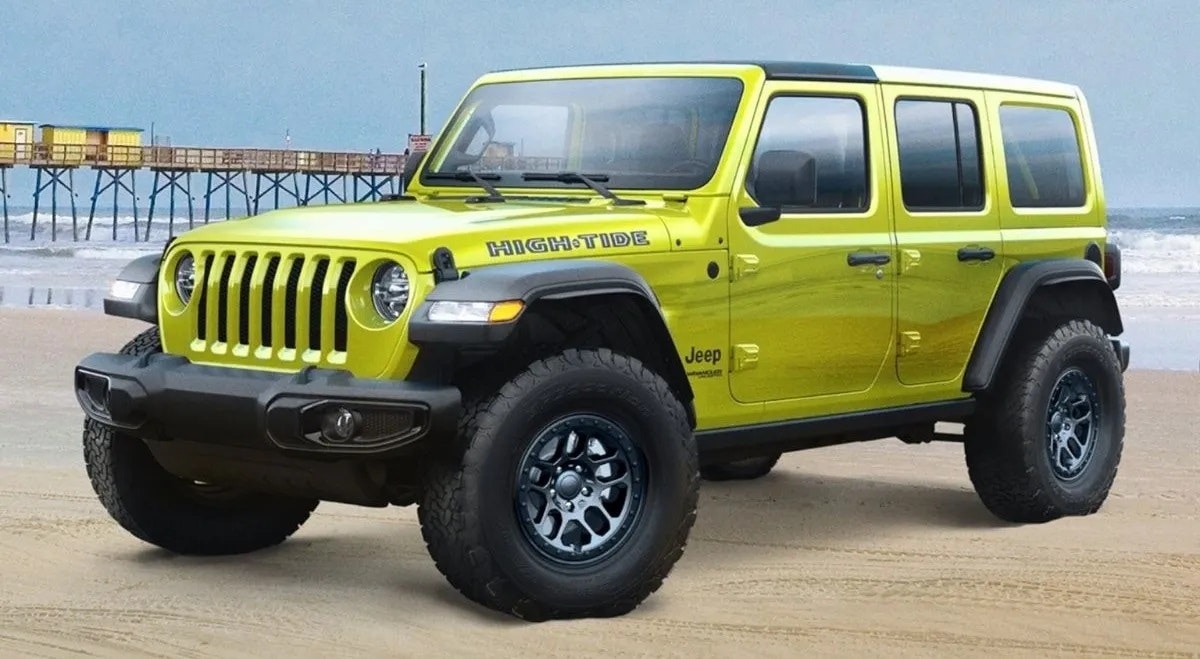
(909, 259)
(745, 356)
(910, 342)
(744, 264)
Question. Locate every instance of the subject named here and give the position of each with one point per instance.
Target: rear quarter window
(1042, 158)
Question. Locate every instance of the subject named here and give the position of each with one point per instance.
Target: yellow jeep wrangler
(603, 283)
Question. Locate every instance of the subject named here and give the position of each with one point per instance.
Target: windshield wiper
(479, 179)
(590, 180)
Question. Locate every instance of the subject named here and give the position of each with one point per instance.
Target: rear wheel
(745, 469)
(180, 515)
(571, 492)
(1047, 441)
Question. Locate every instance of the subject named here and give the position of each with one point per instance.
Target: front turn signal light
(502, 312)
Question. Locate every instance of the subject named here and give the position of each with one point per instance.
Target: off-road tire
(1006, 442)
(469, 516)
(745, 469)
(170, 512)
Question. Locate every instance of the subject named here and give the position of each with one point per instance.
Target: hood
(478, 234)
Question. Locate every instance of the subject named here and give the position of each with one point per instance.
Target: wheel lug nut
(570, 506)
(578, 468)
(558, 470)
(587, 492)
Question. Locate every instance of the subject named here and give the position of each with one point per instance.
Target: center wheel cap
(568, 485)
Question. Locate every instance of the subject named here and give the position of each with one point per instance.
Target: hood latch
(443, 265)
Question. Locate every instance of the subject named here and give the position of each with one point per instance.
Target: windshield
(641, 133)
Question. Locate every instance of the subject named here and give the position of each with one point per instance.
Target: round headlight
(389, 291)
(185, 277)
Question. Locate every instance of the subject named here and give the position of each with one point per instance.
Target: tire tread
(445, 521)
(137, 494)
(997, 443)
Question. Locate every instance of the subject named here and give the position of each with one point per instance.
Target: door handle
(868, 258)
(976, 254)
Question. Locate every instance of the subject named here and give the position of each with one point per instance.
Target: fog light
(340, 425)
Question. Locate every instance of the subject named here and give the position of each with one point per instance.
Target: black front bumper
(167, 398)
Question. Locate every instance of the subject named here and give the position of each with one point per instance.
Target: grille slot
(244, 301)
(280, 302)
(267, 297)
(315, 295)
(340, 320)
(202, 317)
(289, 305)
(223, 300)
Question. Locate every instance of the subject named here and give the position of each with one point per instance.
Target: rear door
(947, 227)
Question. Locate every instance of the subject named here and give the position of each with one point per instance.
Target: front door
(947, 228)
(811, 298)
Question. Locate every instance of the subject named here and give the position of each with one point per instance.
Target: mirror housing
(756, 216)
(784, 178)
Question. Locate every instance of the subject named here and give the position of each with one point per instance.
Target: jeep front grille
(273, 307)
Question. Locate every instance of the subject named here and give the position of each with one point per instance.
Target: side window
(939, 155)
(811, 156)
(1042, 158)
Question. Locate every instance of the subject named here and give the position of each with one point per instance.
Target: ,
(606, 283)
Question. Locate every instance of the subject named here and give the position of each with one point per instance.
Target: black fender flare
(142, 271)
(1013, 295)
(530, 282)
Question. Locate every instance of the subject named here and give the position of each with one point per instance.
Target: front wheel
(1047, 442)
(181, 516)
(571, 492)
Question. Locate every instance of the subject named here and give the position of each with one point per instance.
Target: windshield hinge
(443, 265)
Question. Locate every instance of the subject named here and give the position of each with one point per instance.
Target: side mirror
(756, 216)
(784, 178)
(779, 179)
